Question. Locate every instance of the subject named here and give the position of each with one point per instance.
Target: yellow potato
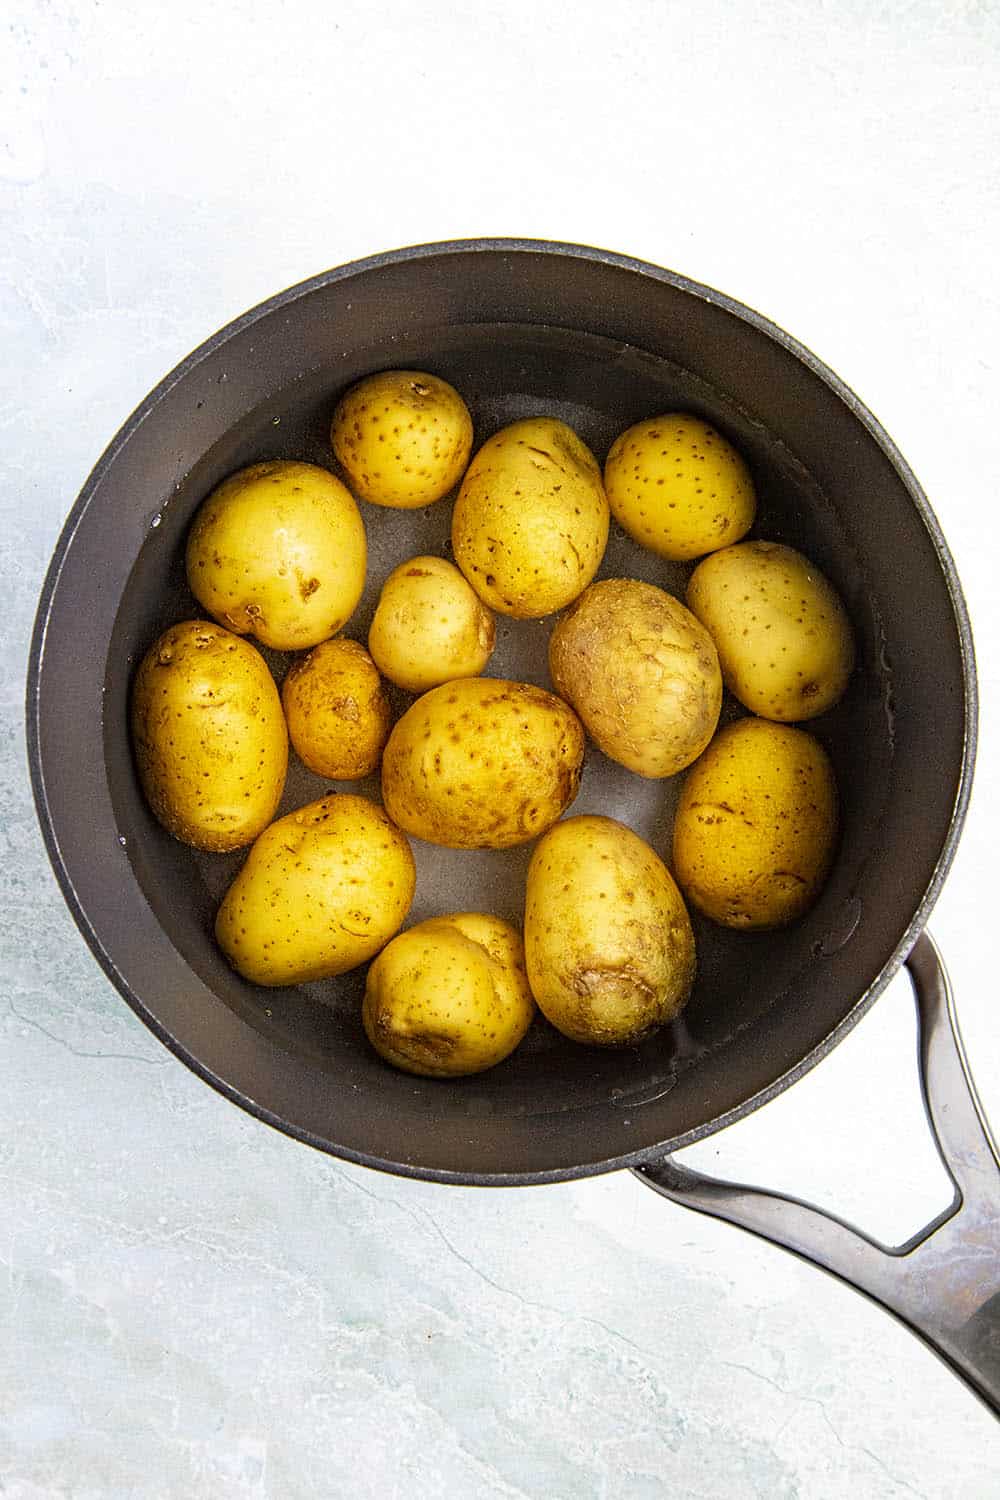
(784, 640)
(322, 890)
(430, 626)
(449, 997)
(756, 825)
(403, 438)
(209, 736)
(531, 520)
(278, 551)
(607, 939)
(337, 711)
(641, 672)
(678, 487)
(482, 764)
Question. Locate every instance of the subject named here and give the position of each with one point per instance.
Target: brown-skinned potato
(641, 672)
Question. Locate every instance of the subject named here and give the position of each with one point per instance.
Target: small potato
(322, 890)
(402, 437)
(531, 520)
(449, 997)
(337, 711)
(209, 736)
(678, 487)
(641, 672)
(608, 942)
(430, 626)
(784, 640)
(756, 825)
(278, 551)
(482, 764)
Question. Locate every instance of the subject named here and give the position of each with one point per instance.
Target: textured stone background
(191, 1305)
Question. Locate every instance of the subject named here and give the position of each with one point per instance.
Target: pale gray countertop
(192, 1305)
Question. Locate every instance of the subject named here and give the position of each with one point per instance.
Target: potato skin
(278, 551)
(449, 997)
(756, 825)
(482, 764)
(531, 520)
(322, 890)
(430, 626)
(337, 711)
(209, 736)
(641, 672)
(785, 643)
(402, 437)
(608, 942)
(678, 487)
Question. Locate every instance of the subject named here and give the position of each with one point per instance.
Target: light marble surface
(190, 1304)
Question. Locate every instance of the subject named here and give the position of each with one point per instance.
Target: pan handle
(944, 1283)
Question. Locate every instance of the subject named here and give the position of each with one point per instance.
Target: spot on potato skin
(591, 980)
(346, 708)
(641, 672)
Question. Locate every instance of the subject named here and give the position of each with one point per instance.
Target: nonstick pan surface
(600, 341)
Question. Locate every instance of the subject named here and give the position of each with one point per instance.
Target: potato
(209, 736)
(322, 890)
(337, 711)
(430, 626)
(608, 942)
(756, 825)
(678, 487)
(784, 640)
(641, 672)
(402, 437)
(449, 997)
(278, 551)
(531, 520)
(482, 764)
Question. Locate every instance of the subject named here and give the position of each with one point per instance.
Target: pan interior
(599, 387)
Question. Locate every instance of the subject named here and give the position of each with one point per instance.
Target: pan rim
(509, 246)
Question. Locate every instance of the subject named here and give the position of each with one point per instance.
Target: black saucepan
(601, 341)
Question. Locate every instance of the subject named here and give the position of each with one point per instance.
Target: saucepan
(599, 340)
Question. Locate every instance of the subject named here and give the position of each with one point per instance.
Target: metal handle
(944, 1283)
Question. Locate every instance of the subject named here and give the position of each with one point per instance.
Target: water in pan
(599, 389)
